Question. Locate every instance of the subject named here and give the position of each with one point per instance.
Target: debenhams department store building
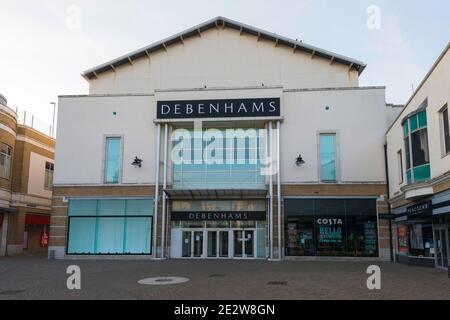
(222, 141)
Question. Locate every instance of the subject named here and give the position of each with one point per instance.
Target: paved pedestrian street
(35, 277)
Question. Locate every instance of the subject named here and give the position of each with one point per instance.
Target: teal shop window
(112, 160)
(413, 122)
(328, 157)
(416, 148)
(110, 226)
(422, 119)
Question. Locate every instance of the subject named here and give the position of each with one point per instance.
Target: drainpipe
(155, 214)
(270, 192)
(279, 190)
(389, 205)
(164, 200)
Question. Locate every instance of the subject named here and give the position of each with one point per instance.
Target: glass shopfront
(215, 229)
(110, 226)
(331, 227)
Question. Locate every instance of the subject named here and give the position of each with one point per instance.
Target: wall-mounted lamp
(299, 160)
(137, 162)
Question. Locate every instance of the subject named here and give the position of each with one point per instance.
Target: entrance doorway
(442, 245)
(218, 243)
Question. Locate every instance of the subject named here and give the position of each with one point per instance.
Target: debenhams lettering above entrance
(218, 215)
(218, 108)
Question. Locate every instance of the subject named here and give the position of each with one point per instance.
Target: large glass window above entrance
(218, 159)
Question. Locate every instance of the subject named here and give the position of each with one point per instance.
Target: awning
(37, 219)
(204, 194)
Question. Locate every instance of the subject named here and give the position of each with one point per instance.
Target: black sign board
(423, 208)
(218, 215)
(218, 108)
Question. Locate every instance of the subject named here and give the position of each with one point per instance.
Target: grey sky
(43, 50)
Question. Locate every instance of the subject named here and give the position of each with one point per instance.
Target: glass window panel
(422, 118)
(413, 122)
(405, 128)
(446, 131)
(407, 154)
(419, 145)
(140, 207)
(110, 234)
(138, 235)
(111, 207)
(81, 235)
(82, 207)
(112, 160)
(422, 173)
(261, 243)
(328, 157)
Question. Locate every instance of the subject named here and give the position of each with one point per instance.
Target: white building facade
(223, 141)
(418, 145)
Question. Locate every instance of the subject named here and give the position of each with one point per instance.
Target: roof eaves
(223, 22)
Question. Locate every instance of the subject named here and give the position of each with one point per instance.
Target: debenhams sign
(218, 108)
(218, 215)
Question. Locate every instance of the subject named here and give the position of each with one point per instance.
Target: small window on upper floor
(5, 160)
(445, 134)
(112, 159)
(327, 145)
(48, 181)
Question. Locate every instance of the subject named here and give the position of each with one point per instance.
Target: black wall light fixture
(137, 162)
(299, 160)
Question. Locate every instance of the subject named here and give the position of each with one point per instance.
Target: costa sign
(329, 221)
(218, 108)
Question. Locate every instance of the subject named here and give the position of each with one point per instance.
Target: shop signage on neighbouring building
(218, 108)
(422, 208)
(218, 215)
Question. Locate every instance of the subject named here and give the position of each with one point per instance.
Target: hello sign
(218, 108)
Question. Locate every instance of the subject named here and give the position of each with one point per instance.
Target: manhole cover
(217, 275)
(162, 280)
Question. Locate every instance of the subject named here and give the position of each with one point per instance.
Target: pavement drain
(162, 280)
(217, 275)
(277, 283)
(11, 292)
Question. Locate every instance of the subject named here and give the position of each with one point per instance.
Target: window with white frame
(48, 181)
(400, 166)
(5, 160)
(445, 134)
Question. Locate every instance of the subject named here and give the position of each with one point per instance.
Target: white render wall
(37, 177)
(223, 58)
(357, 115)
(359, 120)
(437, 89)
(83, 124)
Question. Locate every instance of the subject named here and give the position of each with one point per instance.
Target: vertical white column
(279, 189)
(155, 213)
(270, 192)
(164, 198)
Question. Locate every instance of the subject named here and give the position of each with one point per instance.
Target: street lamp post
(53, 125)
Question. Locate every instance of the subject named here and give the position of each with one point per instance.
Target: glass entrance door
(441, 247)
(192, 246)
(244, 243)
